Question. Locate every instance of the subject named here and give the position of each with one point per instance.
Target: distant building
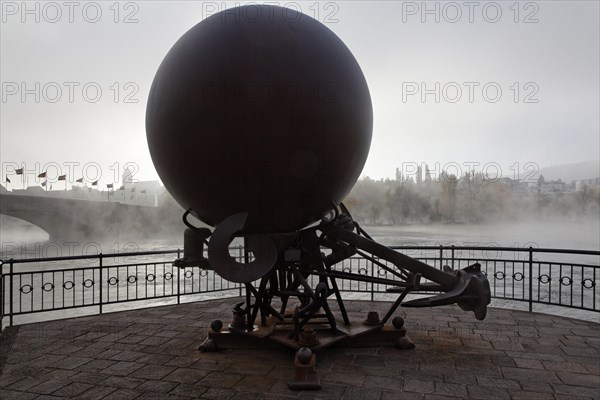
(590, 183)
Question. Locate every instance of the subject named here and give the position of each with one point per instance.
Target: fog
(22, 240)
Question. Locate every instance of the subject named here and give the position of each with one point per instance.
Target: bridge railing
(59, 287)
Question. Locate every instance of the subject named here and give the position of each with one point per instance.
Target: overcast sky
(543, 56)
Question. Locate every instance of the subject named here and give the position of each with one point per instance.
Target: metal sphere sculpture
(259, 122)
(260, 110)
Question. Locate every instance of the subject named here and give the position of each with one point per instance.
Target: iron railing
(558, 277)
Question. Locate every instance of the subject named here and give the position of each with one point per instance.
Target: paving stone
(186, 375)
(26, 383)
(88, 377)
(399, 395)
(536, 386)
(153, 372)
(369, 360)
(441, 366)
(257, 396)
(348, 378)
(498, 382)
(535, 356)
(580, 351)
(189, 390)
(167, 333)
(122, 368)
(133, 339)
(124, 382)
(65, 350)
(286, 373)
(127, 356)
(161, 396)
(46, 359)
(211, 365)
(391, 371)
(328, 391)
(581, 391)
(182, 362)
(460, 378)
(451, 389)
(571, 397)
(254, 383)
(503, 361)
(354, 393)
(156, 386)
(6, 379)
(6, 394)
(384, 383)
(154, 359)
(124, 394)
(423, 376)
(72, 389)
(418, 386)
(528, 395)
(216, 379)
(487, 393)
(49, 386)
(154, 341)
(528, 363)
(218, 394)
(588, 380)
(522, 374)
(108, 354)
(96, 365)
(465, 368)
(69, 362)
(250, 369)
(565, 366)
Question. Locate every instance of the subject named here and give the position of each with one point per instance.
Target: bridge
(73, 219)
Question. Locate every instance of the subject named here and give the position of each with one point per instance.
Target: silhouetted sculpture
(260, 126)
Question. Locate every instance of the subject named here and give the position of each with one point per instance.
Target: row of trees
(471, 198)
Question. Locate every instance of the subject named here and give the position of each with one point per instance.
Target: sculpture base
(276, 334)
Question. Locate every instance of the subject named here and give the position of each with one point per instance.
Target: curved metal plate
(263, 248)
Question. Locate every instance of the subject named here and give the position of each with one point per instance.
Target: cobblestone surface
(152, 354)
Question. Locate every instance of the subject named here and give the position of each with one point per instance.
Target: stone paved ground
(151, 354)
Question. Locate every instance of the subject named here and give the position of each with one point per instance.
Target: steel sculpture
(259, 122)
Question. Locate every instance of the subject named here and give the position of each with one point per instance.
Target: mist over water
(19, 239)
(566, 234)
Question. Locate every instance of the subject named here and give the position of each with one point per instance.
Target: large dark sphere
(259, 109)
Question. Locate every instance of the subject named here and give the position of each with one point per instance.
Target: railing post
(101, 280)
(11, 292)
(178, 285)
(372, 284)
(178, 257)
(452, 256)
(441, 257)
(246, 261)
(243, 254)
(530, 278)
(2, 295)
